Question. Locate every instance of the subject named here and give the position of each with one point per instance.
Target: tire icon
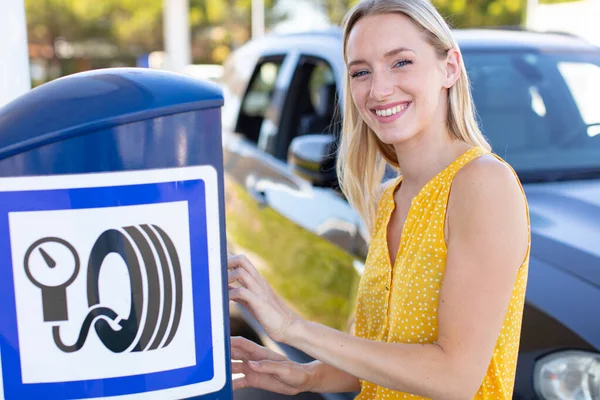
(149, 255)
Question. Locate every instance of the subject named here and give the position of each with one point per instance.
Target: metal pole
(15, 79)
(177, 36)
(258, 18)
(530, 16)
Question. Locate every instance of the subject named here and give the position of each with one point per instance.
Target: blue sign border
(192, 191)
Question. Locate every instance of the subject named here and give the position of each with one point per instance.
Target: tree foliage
(127, 23)
(461, 13)
(134, 27)
(479, 13)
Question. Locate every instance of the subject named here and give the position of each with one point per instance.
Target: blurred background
(69, 36)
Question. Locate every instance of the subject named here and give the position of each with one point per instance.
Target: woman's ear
(453, 67)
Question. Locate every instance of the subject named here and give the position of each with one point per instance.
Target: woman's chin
(394, 138)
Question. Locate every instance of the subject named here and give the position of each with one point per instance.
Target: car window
(312, 104)
(258, 98)
(321, 87)
(583, 79)
(237, 72)
(539, 111)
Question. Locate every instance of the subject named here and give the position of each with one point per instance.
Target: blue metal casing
(103, 174)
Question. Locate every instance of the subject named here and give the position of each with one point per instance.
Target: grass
(310, 273)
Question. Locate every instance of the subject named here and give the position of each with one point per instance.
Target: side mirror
(312, 157)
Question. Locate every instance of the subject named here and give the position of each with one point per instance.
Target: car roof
(508, 38)
(481, 39)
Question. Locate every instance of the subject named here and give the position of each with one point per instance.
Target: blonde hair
(362, 157)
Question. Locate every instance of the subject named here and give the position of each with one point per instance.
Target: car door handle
(257, 193)
(259, 196)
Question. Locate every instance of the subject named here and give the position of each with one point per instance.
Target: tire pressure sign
(111, 286)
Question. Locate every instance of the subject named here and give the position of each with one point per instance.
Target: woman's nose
(381, 87)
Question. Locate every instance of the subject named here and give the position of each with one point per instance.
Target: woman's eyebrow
(386, 55)
(397, 51)
(354, 62)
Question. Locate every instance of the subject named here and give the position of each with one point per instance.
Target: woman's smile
(390, 112)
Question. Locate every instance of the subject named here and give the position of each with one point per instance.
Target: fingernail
(253, 364)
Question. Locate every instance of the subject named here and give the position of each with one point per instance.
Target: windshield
(540, 112)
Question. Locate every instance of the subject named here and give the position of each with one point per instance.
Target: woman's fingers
(287, 372)
(237, 354)
(239, 367)
(282, 369)
(244, 349)
(260, 381)
(239, 383)
(241, 294)
(241, 261)
(244, 344)
(258, 297)
(265, 369)
(242, 276)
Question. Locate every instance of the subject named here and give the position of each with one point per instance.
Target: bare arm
(486, 246)
(487, 243)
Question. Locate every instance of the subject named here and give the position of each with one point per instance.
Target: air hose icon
(162, 300)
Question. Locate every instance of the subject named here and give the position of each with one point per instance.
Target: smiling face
(397, 80)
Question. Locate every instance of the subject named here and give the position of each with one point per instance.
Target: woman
(440, 302)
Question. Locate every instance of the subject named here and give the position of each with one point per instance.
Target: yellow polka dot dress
(399, 304)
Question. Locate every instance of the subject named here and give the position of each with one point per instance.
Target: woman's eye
(358, 74)
(402, 63)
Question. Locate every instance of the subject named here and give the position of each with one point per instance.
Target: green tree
(131, 25)
(557, 1)
(460, 13)
(338, 8)
(480, 13)
(134, 27)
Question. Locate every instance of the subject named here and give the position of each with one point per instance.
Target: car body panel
(565, 223)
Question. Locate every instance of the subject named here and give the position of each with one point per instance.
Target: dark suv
(538, 100)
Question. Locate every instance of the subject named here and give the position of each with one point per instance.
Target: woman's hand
(267, 370)
(254, 293)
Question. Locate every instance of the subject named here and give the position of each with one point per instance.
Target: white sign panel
(116, 285)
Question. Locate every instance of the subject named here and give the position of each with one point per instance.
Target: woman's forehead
(378, 35)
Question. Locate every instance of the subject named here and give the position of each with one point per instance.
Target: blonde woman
(440, 302)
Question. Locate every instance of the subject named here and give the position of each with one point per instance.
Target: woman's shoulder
(487, 184)
(486, 172)
(488, 212)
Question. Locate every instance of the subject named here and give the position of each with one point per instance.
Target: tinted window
(258, 99)
(311, 106)
(237, 72)
(541, 112)
(261, 89)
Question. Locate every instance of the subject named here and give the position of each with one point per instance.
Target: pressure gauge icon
(52, 264)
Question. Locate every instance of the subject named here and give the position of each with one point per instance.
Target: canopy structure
(14, 55)
(177, 37)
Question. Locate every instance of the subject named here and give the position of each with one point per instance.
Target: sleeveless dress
(398, 304)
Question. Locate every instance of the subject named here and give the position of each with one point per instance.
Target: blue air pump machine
(112, 239)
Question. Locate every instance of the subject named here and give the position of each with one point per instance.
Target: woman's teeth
(391, 111)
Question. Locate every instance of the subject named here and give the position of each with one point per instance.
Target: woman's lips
(390, 113)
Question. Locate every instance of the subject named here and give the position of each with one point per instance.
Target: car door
(300, 237)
